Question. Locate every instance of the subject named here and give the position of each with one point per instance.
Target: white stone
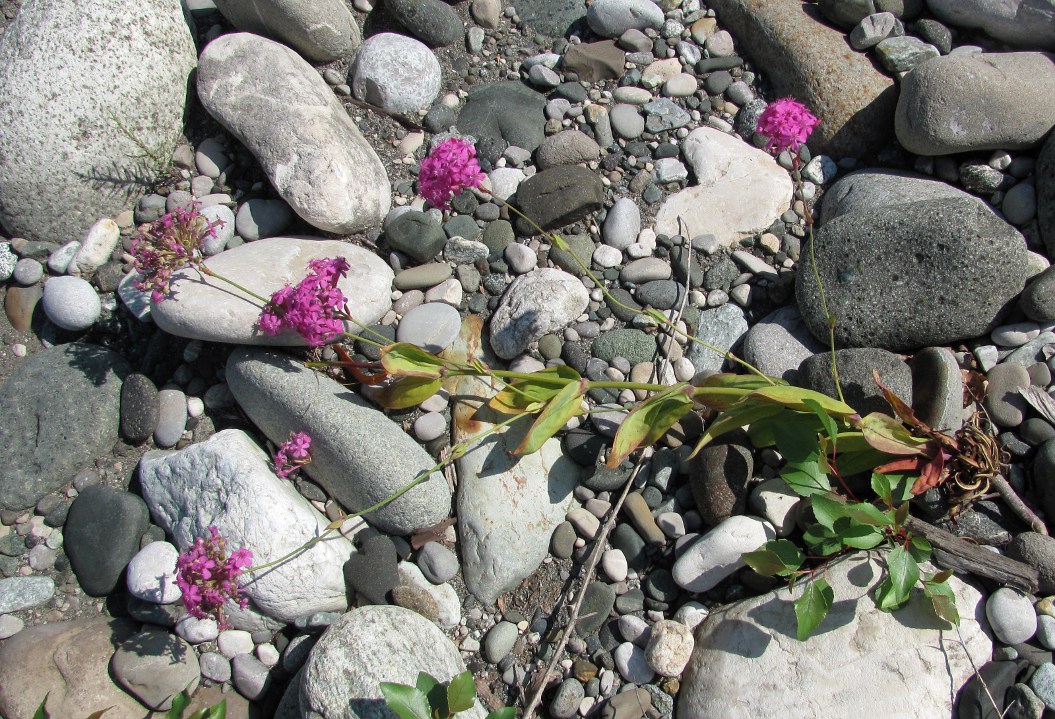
(542, 301)
(774, 501)
(209, 309)
(904, 664)
(71, 303)
(96, 247)
(611, 18)
(227, 482)
(614, 564)
(504, 181)
(233, 642)
(197, 631)
(691, 614)
(307, 144)
(632, 665)
(669, 648)
(606, 256)
(739, 190)
(59, 260)
(396, 72)
(622, 224)
(717, 554)
(152, 574)
(448, 606)
(73, 156)
(1011, 616)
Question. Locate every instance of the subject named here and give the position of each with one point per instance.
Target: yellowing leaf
(649, 421)
(793, 398)
(888, 435)
(734, 418)
(566, 404)
(406, 360)
(407, 392)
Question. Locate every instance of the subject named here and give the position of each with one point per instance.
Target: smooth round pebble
(606, 256)
(223, 233)
(613, 564)
(71, 303)
(691, 614)
(152, 574)
(521, 258)
(250, 676)
(268, 654)
(632, 665)
(634, 629)
(429, 426)
(669, 648)
(27, 271)
(1011, 616)
(432, 326)
(233, 642)
(1046, 631)
(196, 630)
(566, 701)
(172, 417)
(437, 563)
(499, 641)
(215, 666)
(10, 625)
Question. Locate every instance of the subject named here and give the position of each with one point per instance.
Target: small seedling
(431, 699)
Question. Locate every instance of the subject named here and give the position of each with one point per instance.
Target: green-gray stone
(498, 235)
(462, 226)
(597, 604)
(634, 345)
(581, 245)
(549, 346)
(417, 235)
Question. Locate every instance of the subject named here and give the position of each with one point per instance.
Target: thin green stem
(824, 308)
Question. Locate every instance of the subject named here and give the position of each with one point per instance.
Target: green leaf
(503, 713)
(942, 599)
(827, 422)
(885, 597)
(649, 421)
(861, 536)
(529, 394)
(821, 540)
(812, 607)
(41, 712)
(903, 572)
(461, 693)
(795, 397)
(435, 693)
(407, 392)
(558, 241)
(881, 486)
(736, 417)
(565, 404)
(827, 509)
(888, 435)
(920, 548)
(900, 516)
(179, 703)
(406, 701)
(855, 454)
(406, 360)
(806, 479)
(776, 557)
(796, 439)
(867, 513)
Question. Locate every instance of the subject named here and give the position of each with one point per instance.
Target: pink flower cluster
(787, 123)
(449, 169)
(207, 577)
(293, 454)
(313, 308)
(169, 244)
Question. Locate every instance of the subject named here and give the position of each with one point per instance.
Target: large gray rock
(1022, 23)
(397, 73)
(320, 30)
(508, 505)
(810, 61)
(542, 301)
(906, 663)
(60, 411)
(611, 18)
(359, 455)
(985, 101)
(739, 190)
(281, 109)
(155, 666)
(206, 308)
(507, 111)
(67, 662)
(227, 482)
(370, 645)
(82, 89)
(855, 377)
(870, 189)
(1045, 174)
(891, 285)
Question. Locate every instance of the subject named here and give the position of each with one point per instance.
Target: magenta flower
(293, 454)
(207, 577)
(313, 308)
(787, 123)
(449, 169)
(169, 244)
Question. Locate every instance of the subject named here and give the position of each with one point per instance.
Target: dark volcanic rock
(559, 196)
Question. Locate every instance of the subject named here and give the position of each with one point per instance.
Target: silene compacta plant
(822, 440)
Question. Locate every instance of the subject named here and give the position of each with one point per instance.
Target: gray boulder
(866, 190)
(506, 111)
(779, 343)
(749, 650)
(311, 150)
(122, 67)
(1022, 23)
(227, 482)
(611, 18)
(1045, 174)
(61, 410)
(370, 645)
(855, 377)
(891, 285)
(359, 455)
(985, 101)
(320, 30)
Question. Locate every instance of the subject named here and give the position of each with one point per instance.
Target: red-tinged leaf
(931, 475)
(407, 392)
(356, 371)
(530, 394)
(888, 435)
(792, 398)
(649, 421)
(901, 409)
(909, 464)
(406, 360)
(566, 404)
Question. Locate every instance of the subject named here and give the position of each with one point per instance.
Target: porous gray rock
(227, 482)
(433, 22)
(310, 149)
(123, 66)
(370, 645)
(750, 648)
(874, 188)
(1021, 23)
(569, 147)
(209, 309)
(778, 343)
(61, 410)
(396, 72)
(320, 30)
(611, 18)
(986, 101)
(360, 456)
(1045, 174)
(541, 301)
(855, 377)
(891, 286)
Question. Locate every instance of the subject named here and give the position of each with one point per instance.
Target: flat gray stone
(1022, 23)
(358, 455)
(154, 666)
(320, 31)
(136, 80)
(508, 111)
(722, 328)
(307, 144)
(855, 376)
(431, 326)
(18, 593)
(778, 343)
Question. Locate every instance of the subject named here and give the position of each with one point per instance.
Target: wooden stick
(961, 555)
(1016, 505)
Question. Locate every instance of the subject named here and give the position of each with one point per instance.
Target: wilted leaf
(812, 607)
(649, 421)
(901, 409)
(406, 701)
(407, 392)
(721, 391)
(565, 404)
(888, 435)
(406, 360)
(931, 473)
(434, 533)
(461, 693)
(942, 598)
